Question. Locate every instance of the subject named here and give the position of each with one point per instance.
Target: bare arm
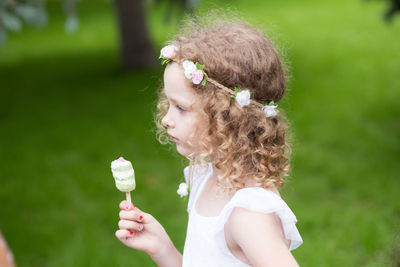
(141, 231)
(260, 236)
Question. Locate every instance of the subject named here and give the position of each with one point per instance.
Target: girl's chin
(184, 151)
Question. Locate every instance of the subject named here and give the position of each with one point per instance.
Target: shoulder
(263, 207)
(260, 237)
(246, 225)
(255, 217)
(258, 224)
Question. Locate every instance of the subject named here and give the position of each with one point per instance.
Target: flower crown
(196, 74)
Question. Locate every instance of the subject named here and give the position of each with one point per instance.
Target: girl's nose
(167, 122)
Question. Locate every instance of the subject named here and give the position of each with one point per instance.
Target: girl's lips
(173, 138)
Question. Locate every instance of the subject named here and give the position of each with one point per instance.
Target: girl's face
(184, 124)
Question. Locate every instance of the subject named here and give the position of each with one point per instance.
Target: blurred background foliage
(67, 109)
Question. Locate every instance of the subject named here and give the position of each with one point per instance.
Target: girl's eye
(180, 109)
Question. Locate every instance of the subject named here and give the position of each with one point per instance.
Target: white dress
(205, 243)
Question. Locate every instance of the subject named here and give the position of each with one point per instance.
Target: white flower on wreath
(270, 110)
(243, 98)
(189, 67)
(183, 190)
(168, 52)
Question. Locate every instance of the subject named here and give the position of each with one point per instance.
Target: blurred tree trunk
(136, 47)
(393, 9)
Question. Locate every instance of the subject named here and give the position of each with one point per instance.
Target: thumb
(125, 205)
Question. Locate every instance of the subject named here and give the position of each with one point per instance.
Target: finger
(130, 225)
(133, 216)
(125, 205)
(123, 234)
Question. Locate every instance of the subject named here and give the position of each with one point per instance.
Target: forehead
(176, 86)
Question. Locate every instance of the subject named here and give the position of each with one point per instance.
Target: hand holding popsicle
(124, 176)
(137, 229)
(140, 230)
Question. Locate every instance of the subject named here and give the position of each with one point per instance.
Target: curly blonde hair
(241, 141)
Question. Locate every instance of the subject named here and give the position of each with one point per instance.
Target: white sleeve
(264, 201)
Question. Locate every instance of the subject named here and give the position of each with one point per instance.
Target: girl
(221, 84)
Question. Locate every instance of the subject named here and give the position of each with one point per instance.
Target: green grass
(66, 111)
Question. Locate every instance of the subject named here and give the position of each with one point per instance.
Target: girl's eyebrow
(180, 103)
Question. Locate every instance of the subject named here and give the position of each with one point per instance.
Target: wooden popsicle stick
(128, 197)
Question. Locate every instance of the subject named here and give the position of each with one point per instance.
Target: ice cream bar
(124, 175)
